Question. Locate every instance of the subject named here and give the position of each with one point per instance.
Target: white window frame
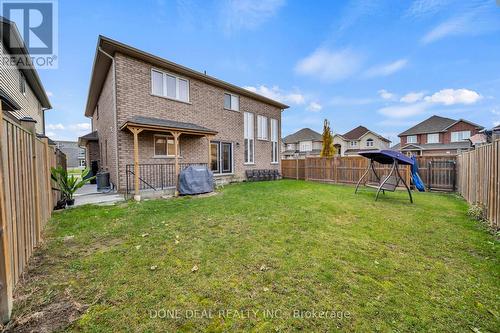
(459, 136)
(433, 135)
(177, 85)
(262, 128)
(167, 137)
(305, 144)
(231, 96)
(274, 141)
(370, 142)
(353, 143)
(408, 140)
(249, 134)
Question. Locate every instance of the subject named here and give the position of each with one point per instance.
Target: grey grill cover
(196, 180)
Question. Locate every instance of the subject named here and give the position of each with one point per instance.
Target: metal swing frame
(394, 170)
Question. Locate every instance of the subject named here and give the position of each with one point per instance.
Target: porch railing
(154, 176)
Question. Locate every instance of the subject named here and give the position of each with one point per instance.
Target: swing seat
(390, 185)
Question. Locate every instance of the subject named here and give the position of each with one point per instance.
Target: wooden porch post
(5, 264)
(176, 149)
(209, 150)
(136, 132)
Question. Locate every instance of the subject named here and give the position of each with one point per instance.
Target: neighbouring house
(304, 142)
(75, 155)
(438, 136)
(21, 91)
(358, 139)
(495, 133)
(480, 139)
(152, 117)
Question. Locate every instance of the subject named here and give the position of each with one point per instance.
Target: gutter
(117, 161)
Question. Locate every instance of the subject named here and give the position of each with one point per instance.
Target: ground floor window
(221, 157)
(82, 163)
(164, 146)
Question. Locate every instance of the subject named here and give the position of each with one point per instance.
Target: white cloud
(416, 104)
(421, 8)
(473, 18)
(496, 123)
(247, 14)
(80, 126)
(50, 93)
(329, 65)
(55, 127)
(403, 111)
(386, 69)
(277, 94)
(314, 107)
(386, 94)
(50, 134)
(454, 96)
(412, 97)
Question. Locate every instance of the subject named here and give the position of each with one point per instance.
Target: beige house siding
(10, 82)
(205, 108)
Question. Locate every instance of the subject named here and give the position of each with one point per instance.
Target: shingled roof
(434, 124)
(358, 132)
(305, 134)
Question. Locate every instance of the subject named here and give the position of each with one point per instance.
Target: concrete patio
(88, 194)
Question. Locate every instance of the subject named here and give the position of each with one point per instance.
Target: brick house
(437, 136)
(358, 139)
(151, 117)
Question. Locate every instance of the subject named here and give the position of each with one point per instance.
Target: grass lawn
(269, 250)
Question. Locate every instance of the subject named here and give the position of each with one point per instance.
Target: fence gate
(441, 176)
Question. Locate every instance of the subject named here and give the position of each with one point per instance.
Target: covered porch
(160, 168)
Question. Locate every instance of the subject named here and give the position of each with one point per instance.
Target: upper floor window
(305, 146)
(460, 136)
(353, 143)
(169, 85)
(411, 139)
(248, 137)
(433, 138)
(22, 83)
(274, 141)
(231, 102)
(262, 132)
(369, 143)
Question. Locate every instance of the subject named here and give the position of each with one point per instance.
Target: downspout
(114, 114)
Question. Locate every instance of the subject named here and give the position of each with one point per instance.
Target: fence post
(5, 265)
(297, 168)
(49, 180)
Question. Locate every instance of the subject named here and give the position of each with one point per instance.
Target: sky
(386, 65)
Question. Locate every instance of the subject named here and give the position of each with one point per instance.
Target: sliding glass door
(221, 154)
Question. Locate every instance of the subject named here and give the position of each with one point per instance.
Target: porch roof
(92, 136)
(165, 124)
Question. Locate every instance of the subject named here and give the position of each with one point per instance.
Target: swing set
(391, 181)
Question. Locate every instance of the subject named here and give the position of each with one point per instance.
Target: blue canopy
(386, 156)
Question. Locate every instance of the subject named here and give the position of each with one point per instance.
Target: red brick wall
(445, 137)
(206, 108)
(460, 126)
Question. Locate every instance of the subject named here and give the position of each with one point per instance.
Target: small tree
(328, 150)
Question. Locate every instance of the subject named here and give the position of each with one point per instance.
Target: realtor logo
(36, 21)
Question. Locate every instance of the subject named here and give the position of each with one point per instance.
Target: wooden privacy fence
(437, 172)
(479, 179)
(345, 170)
(26, 200)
